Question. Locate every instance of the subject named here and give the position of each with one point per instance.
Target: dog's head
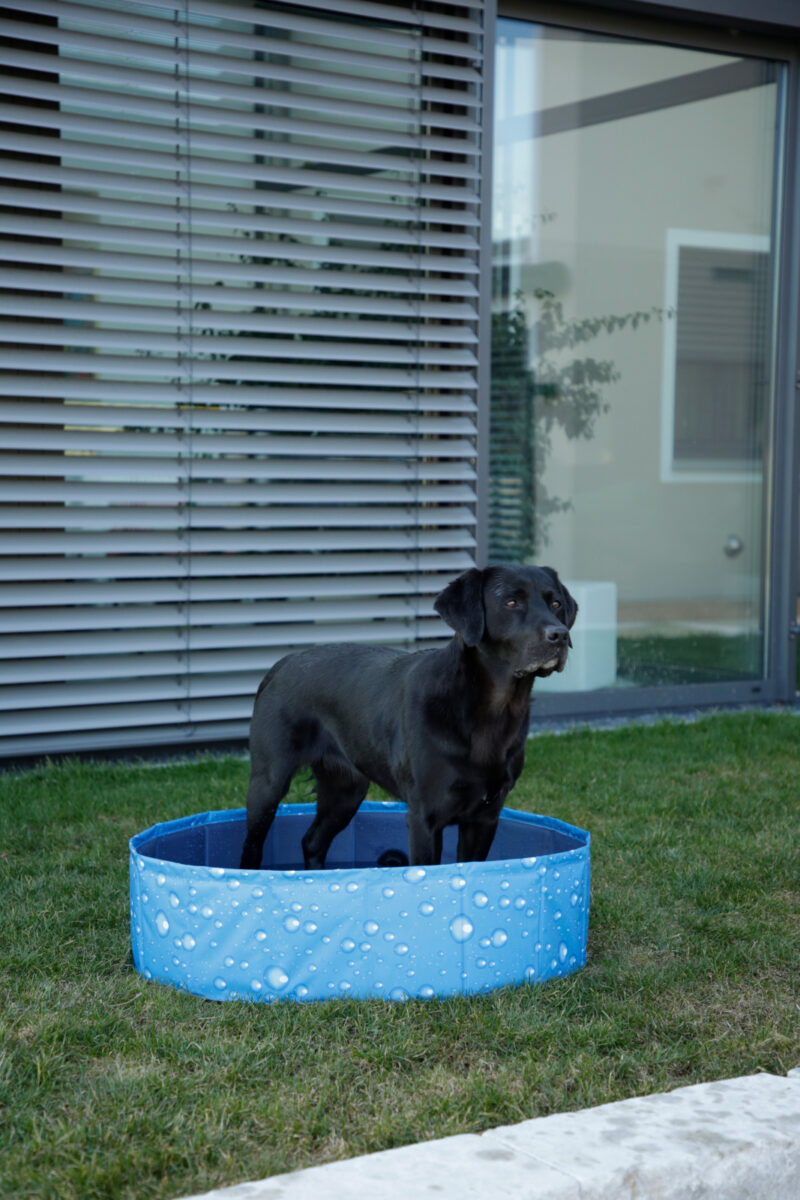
(524, 614)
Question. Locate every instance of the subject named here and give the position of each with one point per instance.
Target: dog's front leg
(424, 840)
(475, 839)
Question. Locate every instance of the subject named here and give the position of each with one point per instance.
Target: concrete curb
(737, 1139)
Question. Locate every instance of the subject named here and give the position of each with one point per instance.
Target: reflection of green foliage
(529, 402)
(652, 661)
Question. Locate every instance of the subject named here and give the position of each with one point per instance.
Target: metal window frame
(724, 26)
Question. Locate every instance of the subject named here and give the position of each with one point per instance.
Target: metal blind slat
(63, 595)
(168, 467)
(237, 566)
(167, 392)
(255, 420)
(271, 517)
(210, 541)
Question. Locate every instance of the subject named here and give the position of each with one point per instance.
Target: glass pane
(632, 345)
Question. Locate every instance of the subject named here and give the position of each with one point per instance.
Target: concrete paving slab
(736, 1139)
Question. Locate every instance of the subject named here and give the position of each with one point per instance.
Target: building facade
(306, 310)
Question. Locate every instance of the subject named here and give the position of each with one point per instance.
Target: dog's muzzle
(550, 657)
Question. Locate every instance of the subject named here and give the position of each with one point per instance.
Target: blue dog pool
(201, 924)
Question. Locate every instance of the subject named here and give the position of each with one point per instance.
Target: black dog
(443, 730)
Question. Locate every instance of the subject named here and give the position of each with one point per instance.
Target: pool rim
(220, 816)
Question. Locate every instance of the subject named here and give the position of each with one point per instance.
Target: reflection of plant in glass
(529, 401)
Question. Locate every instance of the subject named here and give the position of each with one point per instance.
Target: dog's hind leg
(264, 794)
(340, 790)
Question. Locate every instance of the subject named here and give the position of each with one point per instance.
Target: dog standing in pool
(442, 730)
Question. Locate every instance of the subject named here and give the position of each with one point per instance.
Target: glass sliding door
(632, 346)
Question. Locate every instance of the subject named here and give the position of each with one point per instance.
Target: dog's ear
(461, 606)
(570, 604)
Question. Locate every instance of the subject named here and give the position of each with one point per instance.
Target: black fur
(443, 730)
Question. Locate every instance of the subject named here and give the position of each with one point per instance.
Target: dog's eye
(511, 604)
(556, 605)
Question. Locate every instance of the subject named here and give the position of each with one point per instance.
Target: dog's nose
(557, 634)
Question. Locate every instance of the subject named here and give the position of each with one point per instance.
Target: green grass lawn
(114, 1087)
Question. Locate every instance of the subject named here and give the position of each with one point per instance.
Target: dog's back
(346, 697)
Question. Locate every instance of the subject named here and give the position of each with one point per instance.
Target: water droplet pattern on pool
(396, 932)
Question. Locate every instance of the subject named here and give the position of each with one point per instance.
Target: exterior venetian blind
(239, 323)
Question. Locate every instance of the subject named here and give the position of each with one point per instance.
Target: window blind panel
(239, 128)
(161, 344)
(211, 569)
(100, 75)
(207, 88)
(381, 209)
(82, 441)
(239, 315)
(121, 317)
(218, 169)
(118, 392)
(114, 140)
(287, 569)
(169, 344)
(273, 517)
(205, 246)
(243, 617)
(363, 124)
(164, 738)
(144, 37)
(60, 257)
(255, 541)
(298, 22)
(88, 416)
(235, 299)
(172, 591)
(233, 679)
(440, 17)
(246, 371)
(92, 466)
(152, 667)
(255, 223)
(224, 494)
(150, 663)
